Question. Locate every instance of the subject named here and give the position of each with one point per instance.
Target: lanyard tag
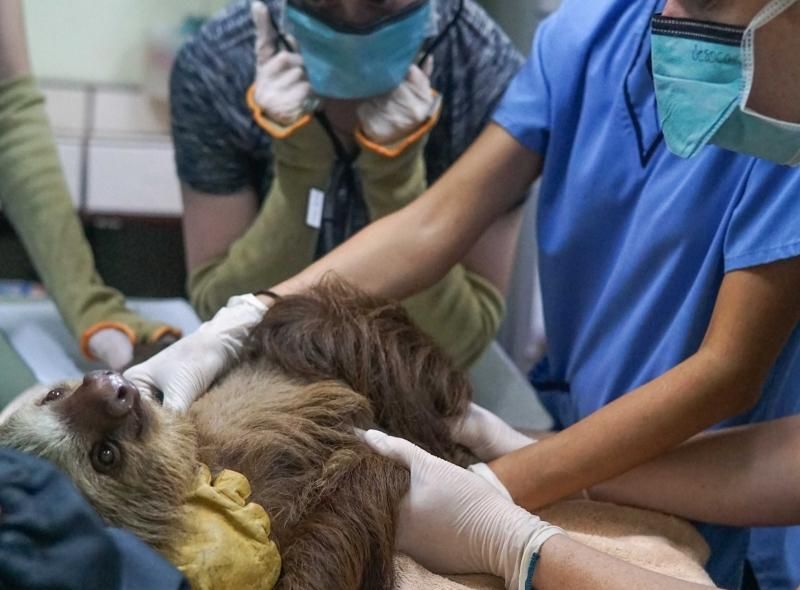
(316, 204)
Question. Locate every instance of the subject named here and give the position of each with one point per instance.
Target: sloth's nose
(102, 402)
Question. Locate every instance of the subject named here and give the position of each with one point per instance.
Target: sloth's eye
(53, 395)
(105, 456)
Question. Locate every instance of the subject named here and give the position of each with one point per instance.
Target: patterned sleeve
(472, 69)
(216, 150)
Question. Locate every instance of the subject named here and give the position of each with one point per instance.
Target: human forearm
(493, 255)
(204, 237)
(413, 248)
(453, 521)
(628, 432)
(740, 476)
(720, 477)
(463, 310)
(565, 563)
(382, 260)
(270, 244)
(277, 244)
(754, 314)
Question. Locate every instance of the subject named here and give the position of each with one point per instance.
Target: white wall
(100, 40)
(105, 40)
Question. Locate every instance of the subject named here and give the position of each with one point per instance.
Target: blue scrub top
(633, 240)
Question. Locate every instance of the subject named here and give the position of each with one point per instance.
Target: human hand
(452, 521)
(487, 435)
(111, 333)
(281, 88)
(184, 371)
(112, 347)
(390, 117)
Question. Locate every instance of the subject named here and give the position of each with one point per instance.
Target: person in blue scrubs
(643, 255)
(668, 232)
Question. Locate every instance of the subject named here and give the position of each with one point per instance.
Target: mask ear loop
(343, 173)
(281, 42)
(439, 39)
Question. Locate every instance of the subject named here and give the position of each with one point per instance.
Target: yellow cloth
(227, 544)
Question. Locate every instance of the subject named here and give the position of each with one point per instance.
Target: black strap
(439, 39)
(341, 152)
(697, 30)
(268, 293)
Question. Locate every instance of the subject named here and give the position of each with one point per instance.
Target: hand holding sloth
(185, 370)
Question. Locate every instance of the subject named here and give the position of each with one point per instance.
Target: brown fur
(323, 363)
(336, 359)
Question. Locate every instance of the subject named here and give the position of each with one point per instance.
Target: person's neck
(736, 13)
(775, 92)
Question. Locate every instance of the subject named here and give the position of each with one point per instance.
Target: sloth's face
(92, 423)
(131, 458)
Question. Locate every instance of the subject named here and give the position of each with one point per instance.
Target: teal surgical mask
(703, 74)
(345, 61)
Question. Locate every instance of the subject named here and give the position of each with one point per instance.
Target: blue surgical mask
(703, 74)
(344, 61)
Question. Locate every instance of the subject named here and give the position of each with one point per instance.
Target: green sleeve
(279, 243)
(35, 199)
(462, 312)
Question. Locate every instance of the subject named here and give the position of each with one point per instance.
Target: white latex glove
(111, 346)
(390, 117)
(452, 521)
(282, 89)
(487, 435)
(484, 471)
(184, 371)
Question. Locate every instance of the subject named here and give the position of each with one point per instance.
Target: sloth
(320, 364)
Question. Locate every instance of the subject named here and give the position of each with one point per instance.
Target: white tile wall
(128, 158)
(69, 151)
(127, 113)
(67, 108)
(132, 178)
(101, 40)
